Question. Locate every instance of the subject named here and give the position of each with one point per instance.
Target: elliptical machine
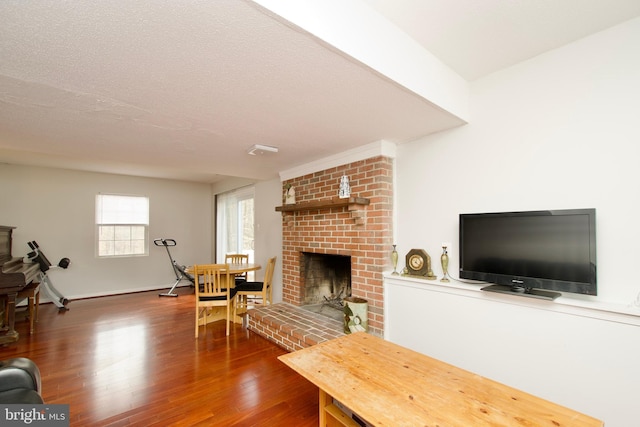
(45, 282)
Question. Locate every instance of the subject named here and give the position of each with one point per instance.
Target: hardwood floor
(132, 360)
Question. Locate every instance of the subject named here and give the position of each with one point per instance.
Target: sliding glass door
(234, 223)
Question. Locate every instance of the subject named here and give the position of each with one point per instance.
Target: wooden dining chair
(238, 259)
(262, 290)
(214, 290)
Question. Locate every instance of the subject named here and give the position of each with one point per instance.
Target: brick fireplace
(359, 228)
(361, 231)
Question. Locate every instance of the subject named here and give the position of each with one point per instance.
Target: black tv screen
(527, 251)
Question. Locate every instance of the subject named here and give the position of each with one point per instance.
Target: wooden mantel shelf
(334, 202)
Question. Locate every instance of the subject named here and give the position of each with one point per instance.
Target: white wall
(268, 231)
(558, 131)
(56, 208)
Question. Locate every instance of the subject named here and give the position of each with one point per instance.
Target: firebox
(325, 278)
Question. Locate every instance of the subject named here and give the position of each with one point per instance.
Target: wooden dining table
(239, 268)
(235, 268)
(219, 313)
(386, 384)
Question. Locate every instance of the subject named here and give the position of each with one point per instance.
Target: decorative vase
(345, 189)
(394, 260)
(444, 260)
(290, 196)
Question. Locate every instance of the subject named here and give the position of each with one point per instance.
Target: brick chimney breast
(361, 231)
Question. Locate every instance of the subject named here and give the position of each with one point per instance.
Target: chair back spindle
(238, 259)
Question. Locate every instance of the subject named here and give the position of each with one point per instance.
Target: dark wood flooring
(132, 360)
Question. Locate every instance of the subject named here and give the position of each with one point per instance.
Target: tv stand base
(529, 293)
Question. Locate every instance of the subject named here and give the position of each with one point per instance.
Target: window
(122, 224)
(234, 223)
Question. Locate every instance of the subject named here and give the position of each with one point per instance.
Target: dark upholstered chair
(19, 381)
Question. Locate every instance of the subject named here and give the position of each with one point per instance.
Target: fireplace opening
(326, 281)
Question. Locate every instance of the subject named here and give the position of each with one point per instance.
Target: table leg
(331, 415)
(325, 400)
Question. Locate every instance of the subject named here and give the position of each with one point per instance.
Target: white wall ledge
(596, 310)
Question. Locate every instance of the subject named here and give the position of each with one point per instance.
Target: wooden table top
(235, 268)
(389, 385)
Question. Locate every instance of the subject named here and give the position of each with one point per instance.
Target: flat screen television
(536, 253)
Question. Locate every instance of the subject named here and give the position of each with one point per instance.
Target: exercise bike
(179, 270)
(36, 255)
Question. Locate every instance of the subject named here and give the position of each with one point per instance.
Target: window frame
(121, 220)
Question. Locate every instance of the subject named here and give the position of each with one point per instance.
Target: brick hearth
(292, 327)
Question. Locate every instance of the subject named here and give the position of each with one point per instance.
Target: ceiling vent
(261, 149)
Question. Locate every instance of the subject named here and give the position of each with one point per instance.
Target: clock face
(416, 262)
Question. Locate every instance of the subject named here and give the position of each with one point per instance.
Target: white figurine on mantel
(345, 189)
(290, 196)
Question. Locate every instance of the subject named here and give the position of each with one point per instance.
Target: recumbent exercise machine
(45, 281)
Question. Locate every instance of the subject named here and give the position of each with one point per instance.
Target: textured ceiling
(182, 89)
